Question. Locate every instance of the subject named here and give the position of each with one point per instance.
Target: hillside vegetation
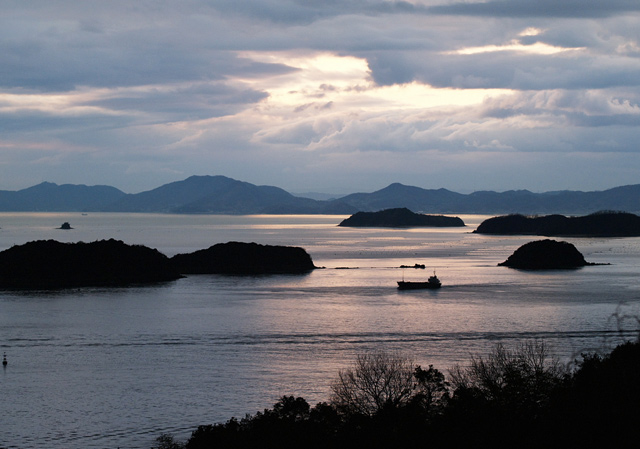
(399, 218)
(600, 224)
(244, 258)
(512, 398)
(546, 255)
(46, 264)
(54, 265)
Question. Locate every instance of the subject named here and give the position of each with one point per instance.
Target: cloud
(193, 101)
(539, 8)
(304, 12)
(312, 95)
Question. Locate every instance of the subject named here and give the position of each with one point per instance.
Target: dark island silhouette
(399, 218)
(546, 255)
(65, 226)
(599, 224)
(48, 264)
(244, 258)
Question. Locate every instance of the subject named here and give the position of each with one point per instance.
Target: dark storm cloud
(505, 70)
(192, 102)
(14, 123)
(126, 60)
(301, 12)
(540, 8)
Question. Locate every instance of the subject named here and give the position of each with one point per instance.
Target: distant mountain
(222, 195)
(49, 197)
(441, 201)
(413, 198)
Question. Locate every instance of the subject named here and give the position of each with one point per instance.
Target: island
(546, 255)
(244, 258)
(599, 224)
(49, 264)
(65, 225)
(399, 218)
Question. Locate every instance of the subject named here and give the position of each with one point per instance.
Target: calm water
(107, 368)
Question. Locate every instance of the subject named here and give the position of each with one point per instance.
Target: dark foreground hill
(244, 258)
(51, 264)
(399, 218)
(546, 255)
(601, 224)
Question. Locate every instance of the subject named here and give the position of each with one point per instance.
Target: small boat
(433, 282)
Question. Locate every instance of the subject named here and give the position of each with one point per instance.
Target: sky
(321, 95)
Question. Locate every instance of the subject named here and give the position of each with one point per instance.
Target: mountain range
(223, 195)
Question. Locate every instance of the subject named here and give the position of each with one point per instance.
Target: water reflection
(96, 368)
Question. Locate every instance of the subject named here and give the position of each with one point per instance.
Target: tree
(166, 441)
(432, 390)
(377, 380)
(523, 378)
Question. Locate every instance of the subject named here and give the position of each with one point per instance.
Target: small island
(399, 218)
(546, 255)
(49, 264)
(65, 226)
(244, 258)
(599, 224)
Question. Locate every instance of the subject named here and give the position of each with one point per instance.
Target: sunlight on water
(95, 368)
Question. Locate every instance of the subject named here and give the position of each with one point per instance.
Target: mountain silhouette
(223, 195)
(49, 197)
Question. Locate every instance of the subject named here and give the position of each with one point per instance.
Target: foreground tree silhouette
(526, 375)
(520, 398)
(497, 400)
(377, 380)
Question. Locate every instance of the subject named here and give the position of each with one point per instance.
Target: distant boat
(432, 283)
(4, 360)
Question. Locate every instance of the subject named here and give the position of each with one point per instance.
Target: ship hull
(405, 285)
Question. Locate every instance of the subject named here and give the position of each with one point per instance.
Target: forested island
(600, 224)
(244, 258)
(519, 397)
(49, 264)
(399, 218)
(546, 255)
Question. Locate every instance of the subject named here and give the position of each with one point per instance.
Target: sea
(118, 367)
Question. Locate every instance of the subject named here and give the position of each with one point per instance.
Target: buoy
(4, 359)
